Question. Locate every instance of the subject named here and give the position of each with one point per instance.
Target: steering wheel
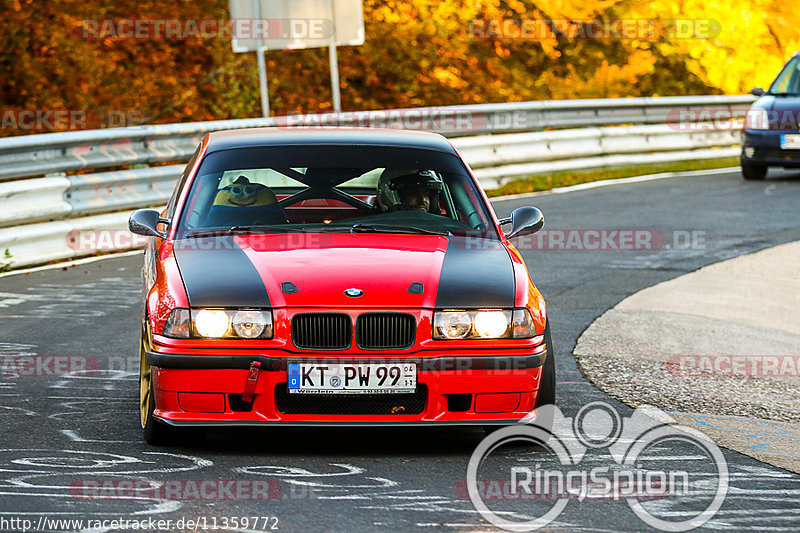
(363, 207)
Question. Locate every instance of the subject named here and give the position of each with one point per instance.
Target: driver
(410, 190)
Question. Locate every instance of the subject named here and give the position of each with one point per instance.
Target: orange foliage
(417, 53)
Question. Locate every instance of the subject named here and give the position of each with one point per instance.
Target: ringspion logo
(635, 459)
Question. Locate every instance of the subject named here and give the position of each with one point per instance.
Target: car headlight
(177, 324)
(452, 324)
(252, 324)
(483, 324)
(219, 324)
(491, 324)
(522, 324)
(757, 119)
(212, 323)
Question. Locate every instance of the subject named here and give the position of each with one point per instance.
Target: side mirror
(524, 221)
(757, 91)
(145, 222)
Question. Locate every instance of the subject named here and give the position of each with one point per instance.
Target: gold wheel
(145, 376)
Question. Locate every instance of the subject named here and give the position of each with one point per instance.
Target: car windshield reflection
(383, 199)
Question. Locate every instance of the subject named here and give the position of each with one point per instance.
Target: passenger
(243, 203)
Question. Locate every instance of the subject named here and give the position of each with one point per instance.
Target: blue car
(771, 133)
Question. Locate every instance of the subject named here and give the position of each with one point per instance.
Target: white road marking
(73, 435)
(24, 411)
(290, 471)
(71, 263)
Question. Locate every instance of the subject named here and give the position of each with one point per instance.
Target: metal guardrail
(496, 159)
(43, 207)
(33, 155)
(121, 189)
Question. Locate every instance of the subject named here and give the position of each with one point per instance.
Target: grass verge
(545, 182)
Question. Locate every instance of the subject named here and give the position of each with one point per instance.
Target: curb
(717, 348)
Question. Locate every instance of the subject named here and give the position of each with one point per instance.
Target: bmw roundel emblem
(354, 293)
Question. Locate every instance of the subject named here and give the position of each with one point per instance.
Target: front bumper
(767, 151)
(462, 388)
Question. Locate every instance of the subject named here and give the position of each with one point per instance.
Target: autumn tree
(417, 53)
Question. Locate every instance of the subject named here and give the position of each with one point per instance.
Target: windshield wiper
(388, 228)
(783, 94)
(244, 229)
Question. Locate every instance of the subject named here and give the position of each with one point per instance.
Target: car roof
(251, 137)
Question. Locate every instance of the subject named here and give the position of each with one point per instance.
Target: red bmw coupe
(336, 276)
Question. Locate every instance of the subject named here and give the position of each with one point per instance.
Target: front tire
(547, 389)
(754, 172)
(546, 398)
(155, 432)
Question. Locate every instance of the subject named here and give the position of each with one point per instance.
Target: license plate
(790, 142)
(352, 378)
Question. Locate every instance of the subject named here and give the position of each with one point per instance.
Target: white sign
(295, 24)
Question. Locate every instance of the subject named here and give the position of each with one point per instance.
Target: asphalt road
(64, 433)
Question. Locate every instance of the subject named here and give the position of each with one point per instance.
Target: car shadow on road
(365, 441)
(327, 441)
(787, 175)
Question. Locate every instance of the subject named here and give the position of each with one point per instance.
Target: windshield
(334, 189)
(788, 81)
